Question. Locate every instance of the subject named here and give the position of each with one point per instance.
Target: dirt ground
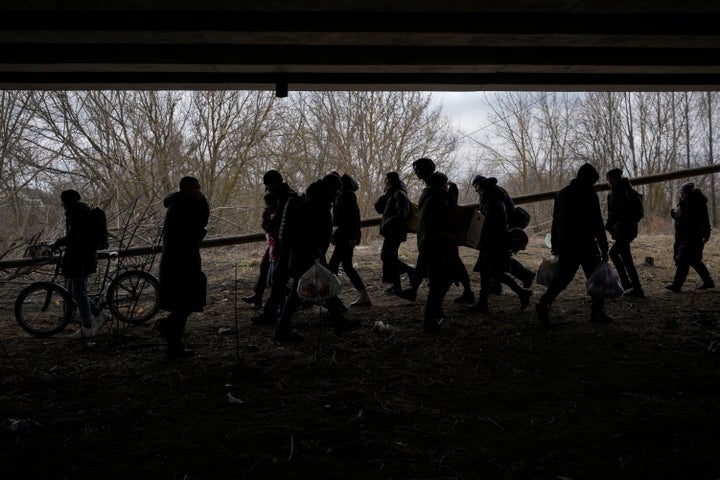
(491, 396)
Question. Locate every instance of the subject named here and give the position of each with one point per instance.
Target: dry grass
(489, 396)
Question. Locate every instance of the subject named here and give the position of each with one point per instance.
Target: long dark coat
(692, 225)
(622, 221)
(80, 257)
(183, 285)
(346, 214)
(493, 246)
(578, 228)
(306, 229)
(394, 207)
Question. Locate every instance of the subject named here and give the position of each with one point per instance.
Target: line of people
(301, 227)
(578, 236)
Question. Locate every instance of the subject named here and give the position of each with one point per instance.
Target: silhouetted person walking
(625, 210)
(280, 192)
(183, 284)
(394, 207)
(346, 235)
(578, 239)
(79, 260)
(494, 253)
(692, 231)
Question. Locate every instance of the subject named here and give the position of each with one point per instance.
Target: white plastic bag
(548, 270)
(318, 284)
(604, 282)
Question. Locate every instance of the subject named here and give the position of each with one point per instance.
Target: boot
(707, 284)
(253, 299)
(363, 300)
(636, 292)
(467, 297)
(543, 313)
(525, 295)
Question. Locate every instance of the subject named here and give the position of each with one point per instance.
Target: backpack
(98, 229)
(411, 223)
(519, 218)
(635, 203)
(517, 240)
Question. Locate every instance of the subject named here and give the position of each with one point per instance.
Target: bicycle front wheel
(133, 297)
(44, 309)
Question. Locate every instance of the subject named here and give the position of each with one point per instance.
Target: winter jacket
(346, 214)
(577, 227)
(182, 282)
(80, 258)
(624, 206)
(436, 230)
(306, 229)
(395, 209)
(692, 225)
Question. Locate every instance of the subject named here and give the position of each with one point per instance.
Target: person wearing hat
(394, 206)
(494, 253)
(437, 244)
(578, 239)
(79, 261)
(692, 231)
(517, 269)
(625, 210)
(346, 235)
(424, 168)
(279, 192)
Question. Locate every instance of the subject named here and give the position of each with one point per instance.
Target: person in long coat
(346, 235)
(692, 231)
(183, 284)
(494, 253)
(624, 205)
(578, 239)
(437, 244)
(394, 206)
(79, 260)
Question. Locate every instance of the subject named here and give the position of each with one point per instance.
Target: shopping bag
(604, 282)
(318, 284)
(548, 270)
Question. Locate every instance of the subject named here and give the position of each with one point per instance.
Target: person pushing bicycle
(80, 260)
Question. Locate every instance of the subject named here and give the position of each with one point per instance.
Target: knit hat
(614, 174)
(477, 179)
(687, 187)
(70, 196)
(487, 182)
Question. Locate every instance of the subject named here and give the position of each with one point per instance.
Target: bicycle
(45, 308)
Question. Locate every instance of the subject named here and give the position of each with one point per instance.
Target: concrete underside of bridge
(361, 45)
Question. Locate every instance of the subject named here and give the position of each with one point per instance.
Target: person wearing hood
(494, 253)
(625, 210)
(278, 193)
(346, 235)
(394, 206)
(183, 285)
(437, 243)
(692, 231)
(79, 260)
(578, 239)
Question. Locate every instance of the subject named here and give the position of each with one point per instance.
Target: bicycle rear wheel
(133, 297)
(44, 309)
